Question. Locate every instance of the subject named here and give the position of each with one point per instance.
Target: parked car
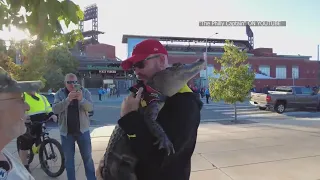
(50, 97)
(286, 97)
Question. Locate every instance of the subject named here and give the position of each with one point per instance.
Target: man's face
(32, 92)
(145, 69)
(70, 82)
(12, 113)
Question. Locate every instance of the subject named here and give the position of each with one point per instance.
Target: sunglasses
(72, 82)
(140, 64)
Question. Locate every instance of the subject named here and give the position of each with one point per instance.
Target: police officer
(40, 110)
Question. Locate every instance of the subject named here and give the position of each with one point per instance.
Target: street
(263, 145)
(107, 113)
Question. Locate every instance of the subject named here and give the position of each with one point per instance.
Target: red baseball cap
(142, 51)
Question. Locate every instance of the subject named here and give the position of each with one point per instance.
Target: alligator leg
(151, 114)
(119, 160)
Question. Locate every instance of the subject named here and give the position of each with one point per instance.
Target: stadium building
(98, 64)
(270, 68)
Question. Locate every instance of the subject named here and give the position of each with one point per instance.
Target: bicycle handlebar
(39, 122)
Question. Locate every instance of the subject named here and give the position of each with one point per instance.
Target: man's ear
(162, 61)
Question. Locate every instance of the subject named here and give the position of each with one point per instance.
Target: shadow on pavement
(233, 122)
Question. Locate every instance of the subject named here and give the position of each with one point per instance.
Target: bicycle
(41, 149)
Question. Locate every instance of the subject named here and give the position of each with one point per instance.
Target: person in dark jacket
(180, 118)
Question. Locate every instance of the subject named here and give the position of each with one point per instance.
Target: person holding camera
(73, 104)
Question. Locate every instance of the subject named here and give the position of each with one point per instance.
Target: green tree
(3, 47)
(59, 61)
(4, 60)
(41, 17)
(234, 80)
(34, 63)
(54, 77)
(33, 56)
(62, 57)
(11, 51)
(7, 63)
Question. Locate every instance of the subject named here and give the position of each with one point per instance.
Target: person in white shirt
(12, 119)
(108, 92)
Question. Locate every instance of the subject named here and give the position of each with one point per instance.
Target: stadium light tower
(206, 57)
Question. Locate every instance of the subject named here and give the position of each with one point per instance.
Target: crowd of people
(202, 92)
(108, 92)
(71, 105)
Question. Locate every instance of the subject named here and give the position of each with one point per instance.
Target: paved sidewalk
(231, 152)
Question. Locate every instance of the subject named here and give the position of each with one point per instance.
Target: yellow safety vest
(184, 89)
(37, 107)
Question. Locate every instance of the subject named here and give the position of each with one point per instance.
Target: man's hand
(72, 95)
(79, 95)
(131, 103)
(54, 118)
(98, 171)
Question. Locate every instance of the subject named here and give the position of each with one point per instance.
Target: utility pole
(293, 77)
(206, 57)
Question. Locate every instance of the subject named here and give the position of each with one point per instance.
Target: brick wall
(100, 50)
(308, 70)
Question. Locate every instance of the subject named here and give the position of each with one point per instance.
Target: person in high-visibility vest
(40, 110)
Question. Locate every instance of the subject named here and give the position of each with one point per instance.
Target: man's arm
(185, 117)
(59, 105)
(86, 102)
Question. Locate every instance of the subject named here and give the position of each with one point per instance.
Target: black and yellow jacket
(180, 118)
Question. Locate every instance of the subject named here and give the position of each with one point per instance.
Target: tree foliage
(40, 62)
(54, 77)
(7, 63)
(43, 59)
(60, 62)
(3, 48)
(234, 80)
(62, 57)
(42, 18)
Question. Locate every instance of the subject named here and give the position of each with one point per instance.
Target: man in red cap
(180, 118)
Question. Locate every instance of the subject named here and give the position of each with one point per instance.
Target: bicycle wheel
(30, 156)
(43, 154)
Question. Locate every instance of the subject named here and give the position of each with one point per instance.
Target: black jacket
(180, 118)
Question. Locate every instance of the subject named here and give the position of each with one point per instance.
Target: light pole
(293, 77)
(206, 57)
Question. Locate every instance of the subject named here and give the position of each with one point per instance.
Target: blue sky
(181, 17)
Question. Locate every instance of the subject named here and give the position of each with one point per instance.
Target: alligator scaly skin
(155, 101)
(119, 160)
(150, 117)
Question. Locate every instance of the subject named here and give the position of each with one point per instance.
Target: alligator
(119, 160)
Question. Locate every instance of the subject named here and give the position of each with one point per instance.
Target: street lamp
(293, 77)
(206, 57)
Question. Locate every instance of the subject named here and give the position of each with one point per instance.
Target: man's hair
(69, 75)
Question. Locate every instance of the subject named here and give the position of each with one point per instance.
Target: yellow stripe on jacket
(184, 89)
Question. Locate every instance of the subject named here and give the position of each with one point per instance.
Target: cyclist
(40, 110)
(12, 112)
